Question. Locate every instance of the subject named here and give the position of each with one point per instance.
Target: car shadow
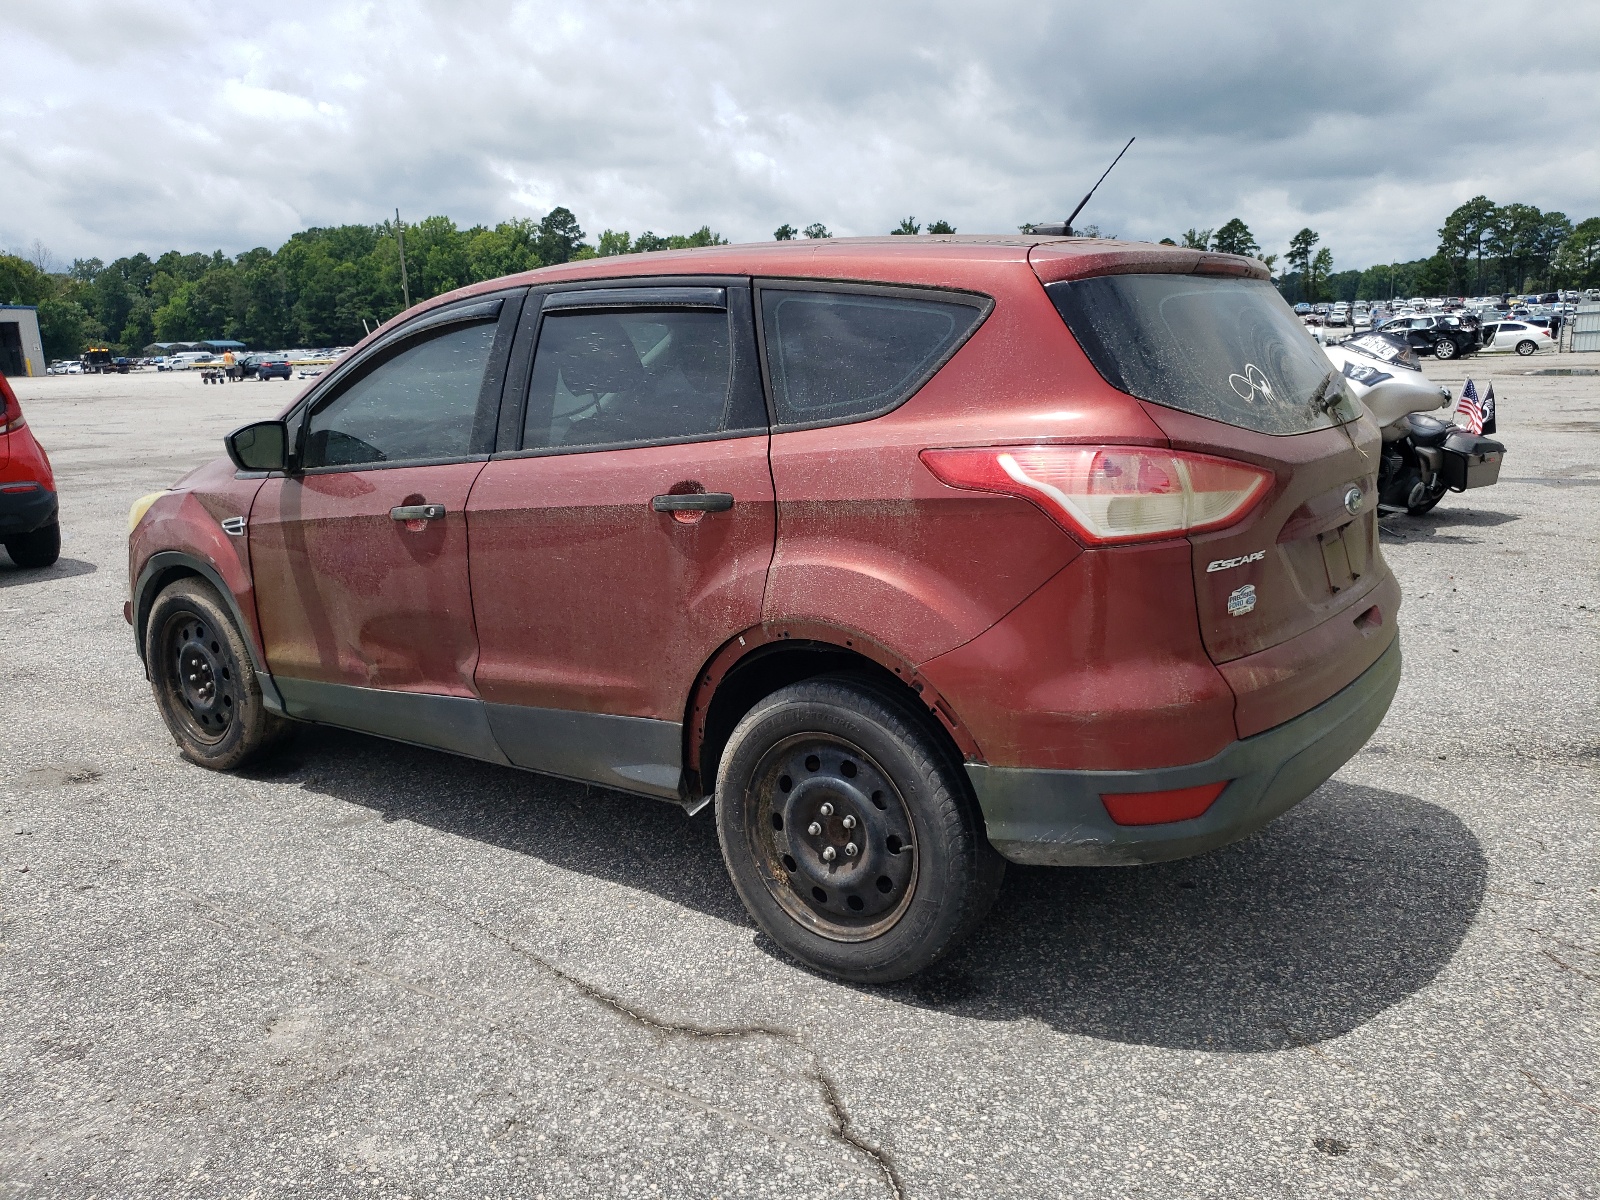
(648, 844)
(12, 575)
(1342, 908)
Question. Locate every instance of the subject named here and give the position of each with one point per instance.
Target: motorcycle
(1423, 457)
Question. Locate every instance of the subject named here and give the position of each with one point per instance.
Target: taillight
(1109, 494)
(10, 411)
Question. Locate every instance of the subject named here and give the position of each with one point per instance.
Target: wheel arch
(759, 661)
(167, 567)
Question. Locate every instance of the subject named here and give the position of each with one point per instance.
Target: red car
(914, 556)
(29, 527)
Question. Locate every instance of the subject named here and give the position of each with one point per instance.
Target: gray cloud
(197, 124)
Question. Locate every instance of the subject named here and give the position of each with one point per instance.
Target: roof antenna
(1065, 228)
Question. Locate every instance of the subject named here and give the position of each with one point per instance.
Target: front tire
(40, 548)
(204, 681)
(850, 833)
(1526, 348)
(1445, 348)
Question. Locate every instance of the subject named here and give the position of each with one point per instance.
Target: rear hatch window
(1220, 347)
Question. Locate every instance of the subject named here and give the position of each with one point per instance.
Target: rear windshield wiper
(1319, 398)
(1321, 401)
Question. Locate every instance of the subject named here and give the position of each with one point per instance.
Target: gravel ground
(369, 969)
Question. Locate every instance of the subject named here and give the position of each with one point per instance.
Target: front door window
(418, 404)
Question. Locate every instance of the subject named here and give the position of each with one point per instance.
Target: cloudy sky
(154, 124)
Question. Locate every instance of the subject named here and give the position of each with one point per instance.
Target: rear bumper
(24, 512)
(1056, 818)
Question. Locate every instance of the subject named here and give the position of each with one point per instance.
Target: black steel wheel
(850, 831)
(837, 849)
(204, 681)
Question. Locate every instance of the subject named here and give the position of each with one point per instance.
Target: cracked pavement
(369, 969)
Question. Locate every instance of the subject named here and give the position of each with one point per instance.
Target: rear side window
(835, 356)
(1216, 346)
(613, 377)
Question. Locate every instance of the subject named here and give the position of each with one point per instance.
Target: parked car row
(97, 361)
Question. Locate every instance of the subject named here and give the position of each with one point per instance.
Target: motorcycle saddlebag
(1471, 461)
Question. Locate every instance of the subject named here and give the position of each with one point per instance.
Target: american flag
(1469, 407)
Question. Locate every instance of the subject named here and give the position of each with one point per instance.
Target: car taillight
(10, 411)
(1110, 494)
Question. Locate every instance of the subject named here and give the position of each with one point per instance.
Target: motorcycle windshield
(1219, 347)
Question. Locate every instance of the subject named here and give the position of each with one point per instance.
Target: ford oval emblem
(1352, 500)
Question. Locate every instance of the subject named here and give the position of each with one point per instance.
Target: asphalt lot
(375, 970)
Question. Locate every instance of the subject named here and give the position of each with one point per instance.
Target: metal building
(1586, 327)
(21, 351)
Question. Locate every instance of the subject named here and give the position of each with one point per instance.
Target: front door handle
(693, 502)
(417, 512)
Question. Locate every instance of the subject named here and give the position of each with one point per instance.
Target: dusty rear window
(1216, 346)
(835, 356)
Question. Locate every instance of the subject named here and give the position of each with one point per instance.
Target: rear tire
(1426, 507)
(40, 548)
(1445, 348)
(1424, 498)
(204, 681)
(850, 833)
(1526, 348)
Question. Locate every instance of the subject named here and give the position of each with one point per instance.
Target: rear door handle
(694, 502)
(417, 512)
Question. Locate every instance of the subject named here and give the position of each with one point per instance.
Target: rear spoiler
(1055, 261)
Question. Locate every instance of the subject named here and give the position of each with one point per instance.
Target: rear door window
(615, 376)
(846, 355)
(1216, 346)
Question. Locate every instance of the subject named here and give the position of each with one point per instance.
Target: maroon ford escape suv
(913, 555)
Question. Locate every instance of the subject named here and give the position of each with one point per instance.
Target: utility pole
(400, 236)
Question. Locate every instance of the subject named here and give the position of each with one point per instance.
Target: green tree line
(322, 287)
(1484, 249)
(326, 286)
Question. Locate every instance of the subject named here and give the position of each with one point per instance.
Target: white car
(1516, 336)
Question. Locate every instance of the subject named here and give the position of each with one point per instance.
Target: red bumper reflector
(1157, 808)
